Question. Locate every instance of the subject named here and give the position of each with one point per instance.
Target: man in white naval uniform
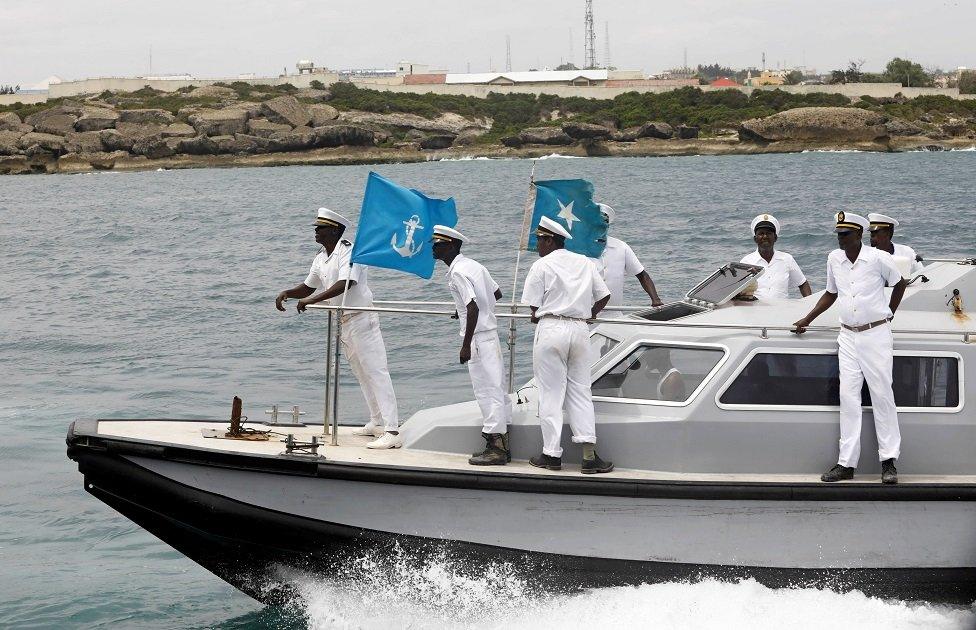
(361, 335)
(618, 261)
(563, 290)
(858, 276)
(782, 272)
(475, 293)
(882, 231)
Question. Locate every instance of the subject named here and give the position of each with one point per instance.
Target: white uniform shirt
(617, 263)
(469, 280)
(565, 284)
(860, 285)
(782, 273)
(327, 270)
(904, 251)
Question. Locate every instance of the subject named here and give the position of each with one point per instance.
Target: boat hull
(239, 522)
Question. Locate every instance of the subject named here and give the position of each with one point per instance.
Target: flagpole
(526, 220)
(328, 377)
(335, 369)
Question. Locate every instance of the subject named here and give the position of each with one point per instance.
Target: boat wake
(401, 589)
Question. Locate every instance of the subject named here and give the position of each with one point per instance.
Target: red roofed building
(724, 82)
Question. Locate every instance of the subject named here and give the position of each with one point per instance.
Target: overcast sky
(76, 39)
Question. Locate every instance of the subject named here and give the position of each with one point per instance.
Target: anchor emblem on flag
(408, 249)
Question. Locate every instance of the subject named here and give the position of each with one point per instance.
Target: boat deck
(351, 450)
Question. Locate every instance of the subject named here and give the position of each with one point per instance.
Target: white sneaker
(370, 429)
(388, 440)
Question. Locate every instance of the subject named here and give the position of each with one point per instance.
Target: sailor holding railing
(857, 275)
(331, 272)
(564, 289)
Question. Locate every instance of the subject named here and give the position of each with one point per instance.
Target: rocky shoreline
(218, 129)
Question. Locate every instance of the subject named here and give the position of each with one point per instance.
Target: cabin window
(812, 380)
(658, 372)
(601, 344)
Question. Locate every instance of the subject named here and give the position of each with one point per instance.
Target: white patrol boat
(719, 420)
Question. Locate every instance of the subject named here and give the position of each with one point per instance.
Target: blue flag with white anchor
(570, 203)
(396, 225)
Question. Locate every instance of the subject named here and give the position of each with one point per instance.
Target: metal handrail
(634, 322)
(498, 305)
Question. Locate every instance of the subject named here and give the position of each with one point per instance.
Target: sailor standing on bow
(475, 293)
(360, 330)
(563, 290)
(618, 261)
(858, 276)
(882, 231)
(782, 272)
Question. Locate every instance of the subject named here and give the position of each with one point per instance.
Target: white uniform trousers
(366, 354)
(866, 356)
(561, 361)
(487, 377)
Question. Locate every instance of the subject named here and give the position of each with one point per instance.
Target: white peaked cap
(849, 221)
(765, 218)
(328, 217)
(547, 224)
(610, 213)
(881, 221)
(443, 230)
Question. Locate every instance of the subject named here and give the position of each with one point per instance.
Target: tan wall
(120, 84)
(26, 99)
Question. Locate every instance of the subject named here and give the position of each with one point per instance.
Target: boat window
(812, 379)
(601, 344)
(658, 372)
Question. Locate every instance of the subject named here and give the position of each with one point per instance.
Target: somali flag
(570, 203)
(396, 225)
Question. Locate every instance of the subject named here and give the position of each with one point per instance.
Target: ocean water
(152, 294)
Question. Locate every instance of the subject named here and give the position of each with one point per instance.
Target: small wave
(465, 158)
(554, 156)
(831, 151)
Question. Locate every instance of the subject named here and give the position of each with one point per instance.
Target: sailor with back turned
(361, 335)
(781, 271)
(882, 231)
(475, 293)
(618, 261)
(857, 276)
(564, 289)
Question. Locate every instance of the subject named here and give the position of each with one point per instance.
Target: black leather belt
(880, 322)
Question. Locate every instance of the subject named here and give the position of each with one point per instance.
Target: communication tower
(606, 44)
(589, 41)
(508, 53)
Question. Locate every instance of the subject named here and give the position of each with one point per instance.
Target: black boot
(508, 449)
(595, 465)
(547, 461)
(838, 473)
(495, 453)
(889, 474)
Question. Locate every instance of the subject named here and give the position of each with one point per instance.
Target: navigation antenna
(589, 41)
(572, 55)
(508, 53)
(606, 44)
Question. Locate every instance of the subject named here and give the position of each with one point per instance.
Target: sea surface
(152, 294)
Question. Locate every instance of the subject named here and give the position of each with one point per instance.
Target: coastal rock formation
(33, 141)
(178, 130)
(322, 114)
(685, 132)
(448, 122)
(439, 141)
(10, 121)
(83, 142)
(96, 119)
(513, 142)
(819, 124)
(545, 135)
(211, 91)
(8, 142)
(251, 110)
(629, 134)
(146, 116)
(342, 135)
(200, 145)
(582, 130)
(661, 130)
(265, 128)
(899, 127)
(286, 110)
(57, 124)
(468, 137)
(218, 122)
